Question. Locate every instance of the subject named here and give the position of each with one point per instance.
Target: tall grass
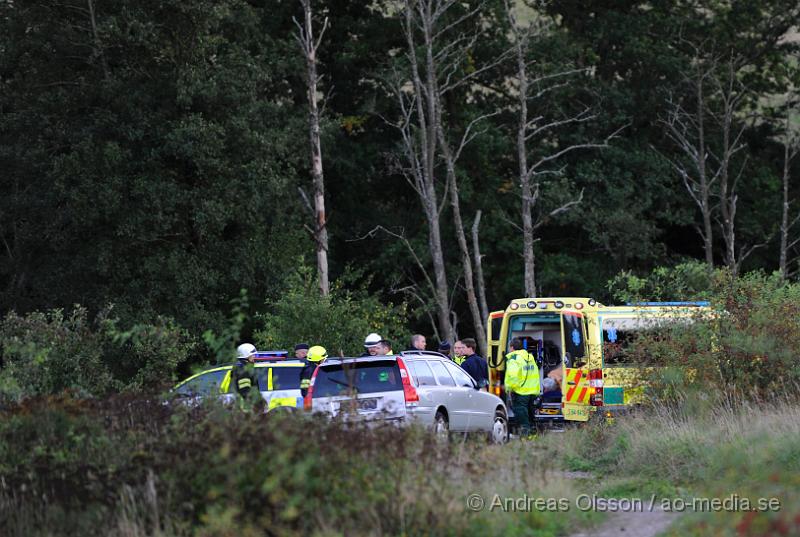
(701, 445)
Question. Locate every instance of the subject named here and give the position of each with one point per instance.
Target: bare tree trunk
(466, 262)
(479, 281)
(525, 182)
(791, 148)
(688, 131)
(310, 46)
(785, 210)
(422, 163)
(702, 177)
(434, 101)
(731, 92)
(98, 49)
(527, 129)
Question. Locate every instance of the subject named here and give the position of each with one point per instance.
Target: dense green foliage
(47, 353)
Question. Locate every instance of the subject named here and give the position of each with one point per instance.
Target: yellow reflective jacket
(522, 373)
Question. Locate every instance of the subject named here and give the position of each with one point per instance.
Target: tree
(540, 130)
(791, 148)
(309, 45)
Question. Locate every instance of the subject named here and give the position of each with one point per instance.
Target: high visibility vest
(459, 359)
(522, 373)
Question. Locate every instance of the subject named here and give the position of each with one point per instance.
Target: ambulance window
(497, 324)
(574, 344)
(615, 345)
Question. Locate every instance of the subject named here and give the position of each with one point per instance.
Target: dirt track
(632, 524)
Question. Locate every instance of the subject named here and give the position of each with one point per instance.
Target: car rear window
(361, 377)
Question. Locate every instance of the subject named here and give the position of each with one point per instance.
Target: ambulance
(583, 347)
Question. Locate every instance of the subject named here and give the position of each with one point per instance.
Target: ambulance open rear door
(575, 387)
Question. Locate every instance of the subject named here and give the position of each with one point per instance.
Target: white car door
(476, 415)
(450, 396)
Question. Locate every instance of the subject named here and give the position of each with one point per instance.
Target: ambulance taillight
(596, 387)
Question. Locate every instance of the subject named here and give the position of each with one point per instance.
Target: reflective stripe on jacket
(522, 373)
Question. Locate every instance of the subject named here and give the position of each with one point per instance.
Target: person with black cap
(444, 348)
(301, 350)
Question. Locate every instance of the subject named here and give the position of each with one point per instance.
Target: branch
(558, 210)
(406, 243)
(306, 200)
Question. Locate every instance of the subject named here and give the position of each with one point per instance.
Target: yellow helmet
(316, 353)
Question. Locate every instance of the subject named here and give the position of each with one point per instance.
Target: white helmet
(372, 340)
(245, 351)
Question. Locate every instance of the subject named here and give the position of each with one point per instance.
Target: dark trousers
(523, 411)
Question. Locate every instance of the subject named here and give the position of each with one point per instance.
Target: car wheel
(441, 426)
(499, 433)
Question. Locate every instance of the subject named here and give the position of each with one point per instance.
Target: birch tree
(791, 147)
(709, 135)
(536, 129)
(309, 46)
(440, 35)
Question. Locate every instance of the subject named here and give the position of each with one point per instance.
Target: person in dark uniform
(243, 377)
(476, 366)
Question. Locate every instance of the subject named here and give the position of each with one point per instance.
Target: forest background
(156, 162)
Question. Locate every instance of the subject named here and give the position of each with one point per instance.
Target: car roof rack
(422, 353)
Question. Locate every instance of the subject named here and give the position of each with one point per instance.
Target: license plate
(549, 411)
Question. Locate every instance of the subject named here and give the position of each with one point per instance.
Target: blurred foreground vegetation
(128, 467)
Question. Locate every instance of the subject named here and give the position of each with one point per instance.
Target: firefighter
(316, 354)
(522, 381)
(243, 377)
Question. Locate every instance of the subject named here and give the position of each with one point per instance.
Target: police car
(278, 379)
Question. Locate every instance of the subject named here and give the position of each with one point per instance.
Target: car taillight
(409, 391)
(596, 387)
(309, 393)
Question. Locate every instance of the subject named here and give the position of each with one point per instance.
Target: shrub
(47, 353)
(745, 342)
(339, 321)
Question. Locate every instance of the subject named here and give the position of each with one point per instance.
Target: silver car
(414, 386)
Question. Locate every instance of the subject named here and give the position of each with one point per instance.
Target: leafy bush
(687, 281)
(46, 353)
(744, 342)
(339, 322)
